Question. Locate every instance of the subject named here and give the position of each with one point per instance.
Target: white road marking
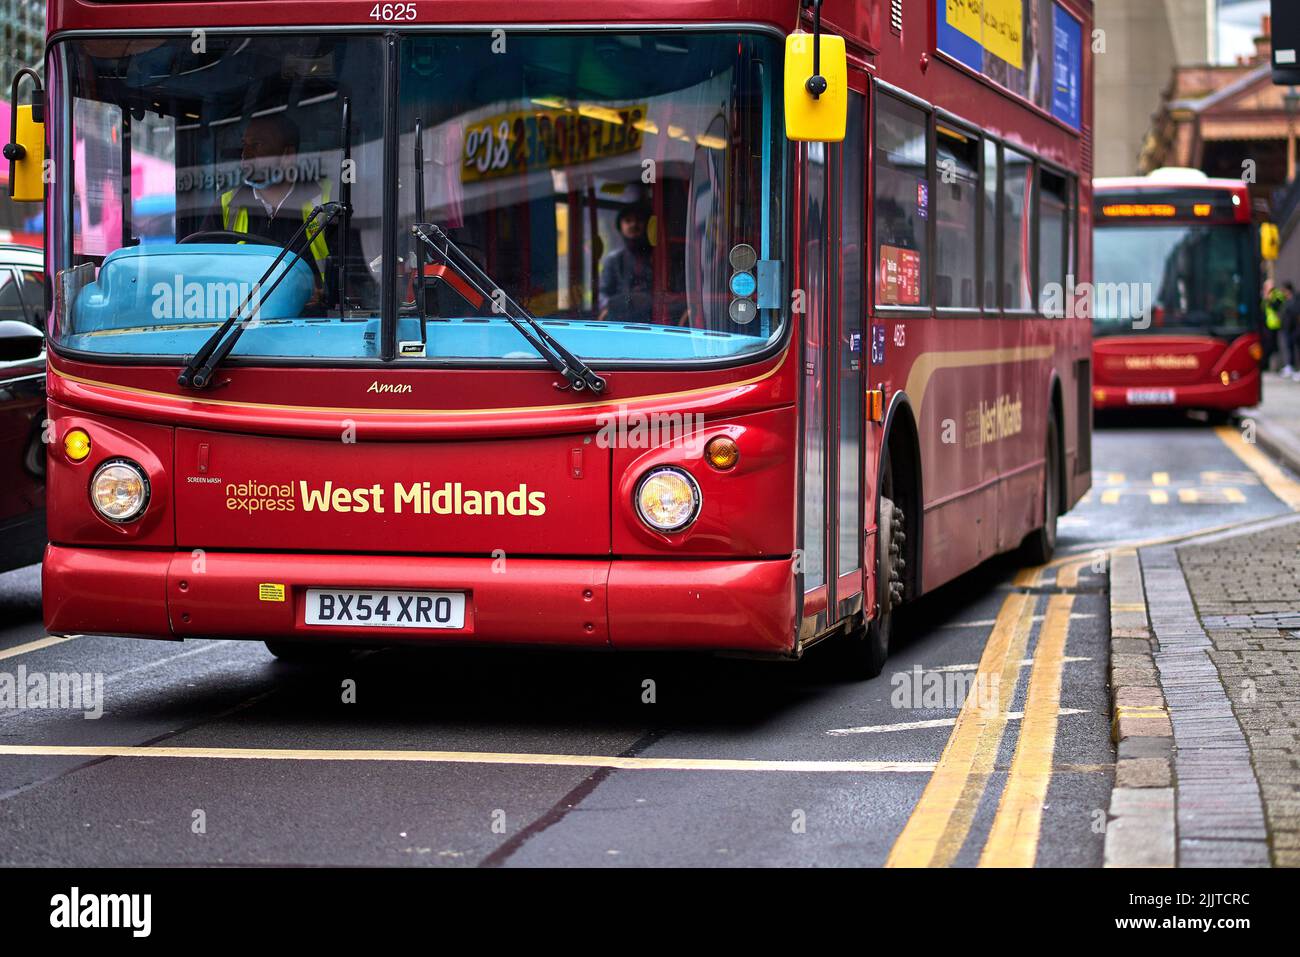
(1024, 663)
(989, 622)
(932, 723)
(202, 649)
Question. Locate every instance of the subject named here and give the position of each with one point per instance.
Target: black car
(22, 406)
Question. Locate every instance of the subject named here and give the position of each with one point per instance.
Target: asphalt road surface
(984, 742)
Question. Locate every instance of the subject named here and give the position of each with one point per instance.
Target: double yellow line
(941, 821)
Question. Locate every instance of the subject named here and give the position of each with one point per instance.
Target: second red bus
(1176, 299)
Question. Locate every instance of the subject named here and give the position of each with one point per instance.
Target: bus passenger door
(851, 357)
(831, 283)
(810, 299)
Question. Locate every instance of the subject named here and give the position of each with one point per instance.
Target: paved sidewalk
(1247, 593)
(1205, 674)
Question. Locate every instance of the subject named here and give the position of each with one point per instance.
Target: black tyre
(1041, 543)
(867, 646)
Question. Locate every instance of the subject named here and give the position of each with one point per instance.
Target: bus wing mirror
(25, 150)
(1270, 242)
(816, 88)
(20, 342)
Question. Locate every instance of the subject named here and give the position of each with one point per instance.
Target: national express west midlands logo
(993, 421)
(416, 498)
(1163, 362)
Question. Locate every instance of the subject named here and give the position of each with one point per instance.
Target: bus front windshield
(612, 184)
(1173, 279)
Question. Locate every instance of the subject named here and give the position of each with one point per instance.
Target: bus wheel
(868, 645)
(307, 652)
(1041, 542)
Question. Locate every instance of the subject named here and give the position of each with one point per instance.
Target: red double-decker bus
(648, 327)
(1176, 304)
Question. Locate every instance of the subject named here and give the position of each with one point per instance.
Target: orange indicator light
(76, 444)
(722, 452)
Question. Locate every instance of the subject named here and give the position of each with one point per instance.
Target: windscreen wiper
(345, 197)
(577, 372)
(419, 249)
(197, 373)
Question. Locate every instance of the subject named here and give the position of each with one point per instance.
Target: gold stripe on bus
(606, 403)
(917, 382)
(928, 363)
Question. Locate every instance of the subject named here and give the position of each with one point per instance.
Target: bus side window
(1072, 228)
(956, 210)
(992, 177)
(1017, 202)
(1053, 214)
(902, 204)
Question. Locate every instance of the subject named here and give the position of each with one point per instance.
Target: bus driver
(273, 200)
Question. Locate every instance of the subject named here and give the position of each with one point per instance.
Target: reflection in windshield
(1192, 278)
(604, 182)
(615, 185)
(230, 145)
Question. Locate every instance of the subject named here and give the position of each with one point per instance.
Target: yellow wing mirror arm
(816, 83)
(25, 150)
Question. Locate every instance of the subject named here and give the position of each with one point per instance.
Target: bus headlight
(668, 499)
(119, 490)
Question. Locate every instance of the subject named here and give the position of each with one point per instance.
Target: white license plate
(1150, 396)
(353, 608)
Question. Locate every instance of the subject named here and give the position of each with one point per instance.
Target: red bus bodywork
(1180, 370)
(587, 573)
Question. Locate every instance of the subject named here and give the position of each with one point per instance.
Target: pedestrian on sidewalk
(1274, 302)
(1289, 334)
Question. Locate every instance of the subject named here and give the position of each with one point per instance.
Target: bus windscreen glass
(1173, 279)
(622, 187)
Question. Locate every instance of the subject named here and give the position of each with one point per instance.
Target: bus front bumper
(737, 605)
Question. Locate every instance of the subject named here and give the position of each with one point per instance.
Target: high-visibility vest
(319, 247)
(1273, 310)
